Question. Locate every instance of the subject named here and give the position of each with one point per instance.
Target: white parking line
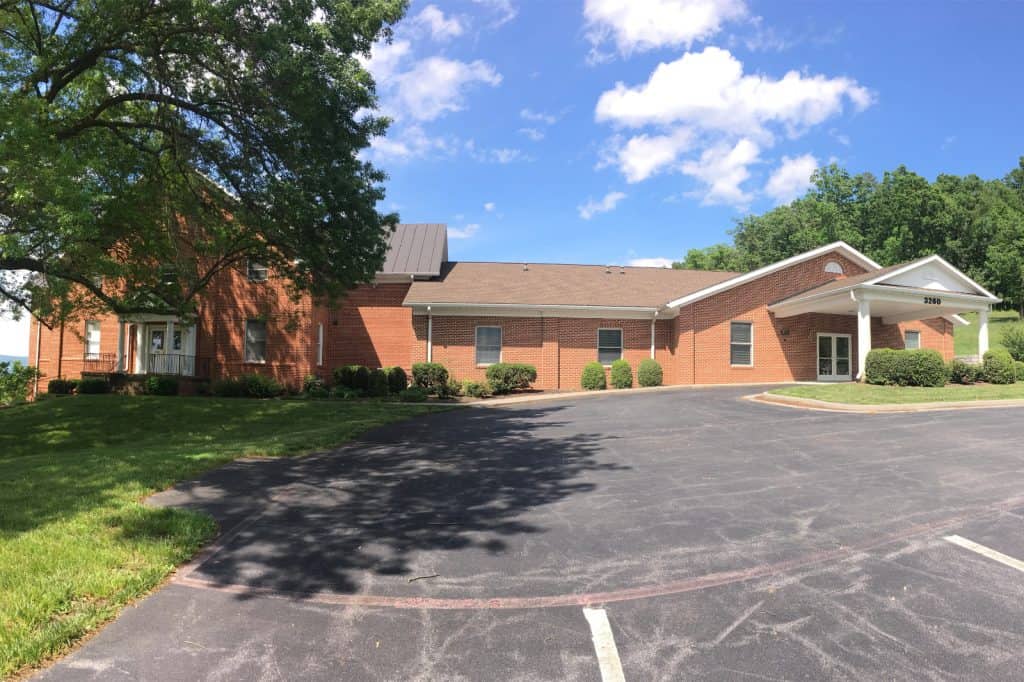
(986, 552)
(604, 645)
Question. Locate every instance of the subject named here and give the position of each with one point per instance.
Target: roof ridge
(589, 265)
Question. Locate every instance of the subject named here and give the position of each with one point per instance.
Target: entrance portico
(920, 290)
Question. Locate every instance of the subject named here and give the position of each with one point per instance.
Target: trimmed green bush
(261, 386)
(93, 385)
(315, 387)
(505, 377)
(593, 377)
(1013, 340)
(161, 385)
(962, 373)
(448, 390)
(227, 388)
(397, 379)
(345, 393)
(15, 381)
(918, 367)
(343, 376)
(353, 376)
(649, 373)
(1019, 364)
(430, 376)
(998, 367)
(475, 389)
(621, 374)
(377, 385)
(413, 394)
(61, 386)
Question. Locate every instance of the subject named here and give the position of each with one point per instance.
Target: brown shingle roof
(550, 284)
(416, 249)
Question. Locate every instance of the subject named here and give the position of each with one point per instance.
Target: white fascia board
(956, 319)
(843, 247)
(525, 310)
(941, 261)
(885, 292)
(959, 273)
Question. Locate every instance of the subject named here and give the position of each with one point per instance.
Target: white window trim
(476, 342)
(751, 344)
(245, 343)
(622, 343)
(248, 270)
(835, 377)
(912, 331)
(99, 340)
(320, 344)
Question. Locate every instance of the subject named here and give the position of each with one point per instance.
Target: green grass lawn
(76, 544)
(965, 339)
(866, 394)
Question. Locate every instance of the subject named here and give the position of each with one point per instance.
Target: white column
(653, 320)
(982, 333)
(430, 336)
(168, 349)
(863, 335)
(119, 363)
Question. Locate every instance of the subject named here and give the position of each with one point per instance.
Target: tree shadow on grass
(464, 481)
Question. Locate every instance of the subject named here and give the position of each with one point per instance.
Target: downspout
(653, 320)
(430, 336)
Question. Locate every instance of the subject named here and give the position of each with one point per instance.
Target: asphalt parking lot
(660, 536)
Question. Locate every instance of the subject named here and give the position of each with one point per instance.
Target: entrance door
(834, 357)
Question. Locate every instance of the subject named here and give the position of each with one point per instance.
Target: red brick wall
(72, 362)
(369, 327)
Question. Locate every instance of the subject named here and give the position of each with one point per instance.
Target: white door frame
(849, 357)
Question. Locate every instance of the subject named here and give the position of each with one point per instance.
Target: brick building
(810, 317)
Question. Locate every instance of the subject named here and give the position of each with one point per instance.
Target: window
(833, 268)
(256, 271)
(255, 341)
(911, 340)
(320, 344)
(488, 345)
(609, 345)
(176, 341)
(92, 340)
(741, 344)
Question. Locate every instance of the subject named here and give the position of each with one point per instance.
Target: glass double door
(834, 357)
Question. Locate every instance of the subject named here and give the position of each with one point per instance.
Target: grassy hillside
(965, 339)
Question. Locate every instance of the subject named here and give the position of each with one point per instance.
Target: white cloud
(410, 142)
(538, 116)
(506, 11)
(791, 179)
(651, 262)
(721, 170)
(636, 26)
(592, 207)
(436, 85)
(709, 90)
(645, 155)
(489, 206)
(532, 133)
(500, 155)
(385, 59)
(463, 232)
(440, 27)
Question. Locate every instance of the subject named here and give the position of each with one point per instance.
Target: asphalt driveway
(721, 539)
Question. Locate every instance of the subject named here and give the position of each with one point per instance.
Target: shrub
(1019, 364)
(998, 368)
(430, 376)
(593, 377)
(448, 390)
(397, 379)
(93, 385)
(962, 373)
(15, 380)
(343, 376)
(505, 377)
(413, 394)
(161, 385)
(1013, 341)
(622, 374)
(227, 388)
(345, 393)
(314, 387)
(353, 376)
(475, 389)
(918, 367)
(61, 386)
(649, 373)
(377, 384)
(260, 386)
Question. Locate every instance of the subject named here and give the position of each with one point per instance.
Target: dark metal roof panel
(416, 249)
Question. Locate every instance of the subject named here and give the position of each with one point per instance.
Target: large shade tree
(146, 145)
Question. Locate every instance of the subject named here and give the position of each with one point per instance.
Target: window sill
(254, 362)
(741, 366)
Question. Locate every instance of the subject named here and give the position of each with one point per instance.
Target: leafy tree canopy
(977, 225)
(146, 145)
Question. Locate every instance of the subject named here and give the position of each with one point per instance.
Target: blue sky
(618, 131)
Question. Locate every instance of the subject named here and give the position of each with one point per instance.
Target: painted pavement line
(987, 552)
(604, 645)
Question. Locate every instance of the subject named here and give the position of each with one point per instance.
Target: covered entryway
(920, 290)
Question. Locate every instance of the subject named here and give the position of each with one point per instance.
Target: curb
(825, 406)
(572, 395)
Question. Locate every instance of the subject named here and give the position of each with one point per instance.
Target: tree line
(975, 224)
